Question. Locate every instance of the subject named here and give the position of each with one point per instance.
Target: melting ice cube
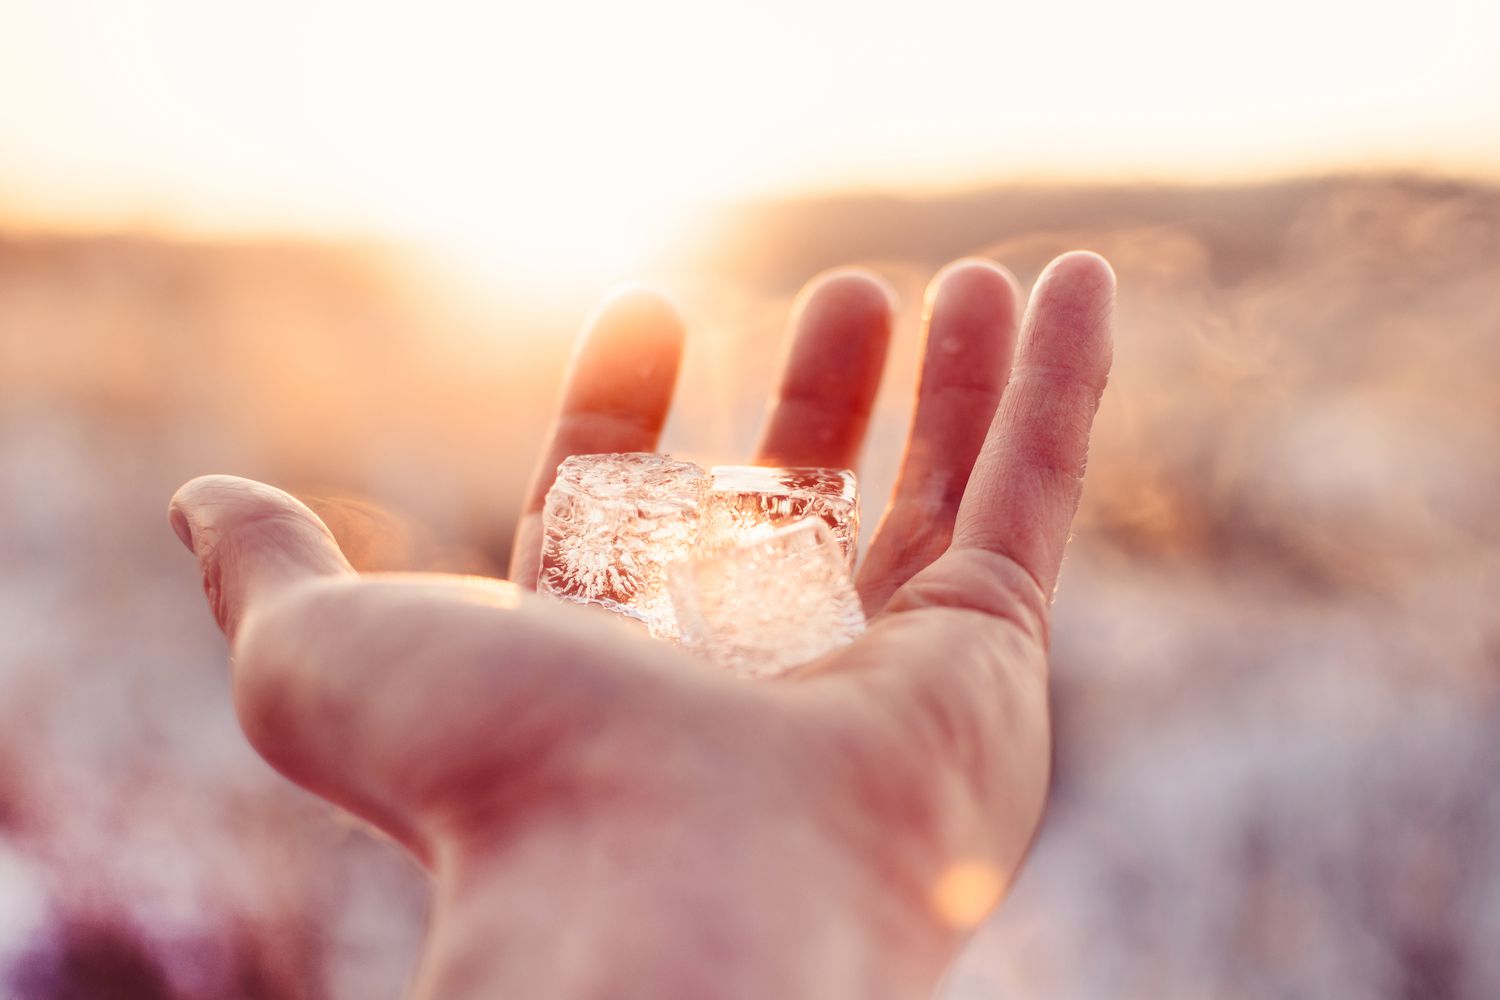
(769, 603)
(747, 500)
(749, 566)
(612, 523)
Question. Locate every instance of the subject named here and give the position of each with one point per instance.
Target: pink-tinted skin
(603, 818)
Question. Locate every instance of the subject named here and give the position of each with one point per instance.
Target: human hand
(604, 816)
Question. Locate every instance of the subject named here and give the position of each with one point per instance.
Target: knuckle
(1065, 380)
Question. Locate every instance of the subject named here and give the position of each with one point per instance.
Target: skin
(601, 816)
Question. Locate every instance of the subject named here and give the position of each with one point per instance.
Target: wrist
(677, 912)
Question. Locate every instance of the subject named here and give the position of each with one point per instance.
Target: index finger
(1028, 478)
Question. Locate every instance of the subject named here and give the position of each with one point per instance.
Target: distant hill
(1245, 227)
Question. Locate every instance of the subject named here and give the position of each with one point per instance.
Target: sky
(551, 131)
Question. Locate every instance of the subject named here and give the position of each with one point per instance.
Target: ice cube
(612, 524)
(745, 500)
(770, 603)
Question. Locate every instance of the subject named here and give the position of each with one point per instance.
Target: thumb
(251, 541)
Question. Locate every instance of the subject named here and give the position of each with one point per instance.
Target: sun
(544, 148)
(565, 142)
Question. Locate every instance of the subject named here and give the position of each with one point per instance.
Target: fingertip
(249, 539)
(191, 507)
(210, 489)
(627, 360)
(639, 315)
(831, 373)
(1081, 270)
(976, 280)
(1069, 315)
(852, 292)
(207, 504)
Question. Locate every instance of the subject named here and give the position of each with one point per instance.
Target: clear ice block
(612, 524)
(768, 604)
(749, 500)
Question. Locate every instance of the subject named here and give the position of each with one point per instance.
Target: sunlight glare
(535, 143)
(567, 142)
(966, 892)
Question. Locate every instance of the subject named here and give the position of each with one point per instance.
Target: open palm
(604, 816)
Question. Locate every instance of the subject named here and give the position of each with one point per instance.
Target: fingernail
(184, 530)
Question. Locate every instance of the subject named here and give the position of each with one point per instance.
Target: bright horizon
(570, 137)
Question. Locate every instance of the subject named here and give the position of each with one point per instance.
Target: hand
(604, 817)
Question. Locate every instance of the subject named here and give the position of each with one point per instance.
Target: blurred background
(342, 247)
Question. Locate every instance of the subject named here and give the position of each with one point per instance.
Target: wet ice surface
(770, 603)
(746, 566)
(745, 496)
(612, 524)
